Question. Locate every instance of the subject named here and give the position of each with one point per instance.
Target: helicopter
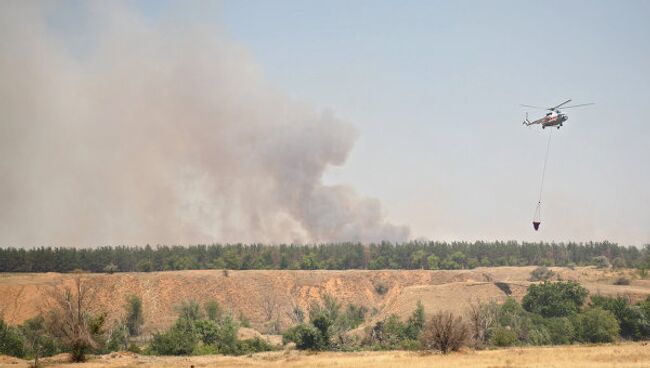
(553, 118)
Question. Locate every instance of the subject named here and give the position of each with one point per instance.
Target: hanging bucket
(537, 218)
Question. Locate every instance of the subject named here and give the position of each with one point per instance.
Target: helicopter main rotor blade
(584, 104)
(534, 107)
(558, 106)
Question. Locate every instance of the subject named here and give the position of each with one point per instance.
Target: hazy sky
(433, 90)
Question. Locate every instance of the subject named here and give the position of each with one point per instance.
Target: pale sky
(433, 89)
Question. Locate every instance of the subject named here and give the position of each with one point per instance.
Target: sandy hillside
(628, 355)
(258, 294)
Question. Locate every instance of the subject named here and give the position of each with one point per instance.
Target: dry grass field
(628, 355)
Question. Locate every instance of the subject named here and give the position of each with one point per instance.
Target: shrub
(631, 319)
(541, 273)
(571, 265)
(11, 341)
(444, 332)
(503, 336)
(134, 314)
(554, 299)
(597, 325)
(560, 329)
(415, 322)
(180, 339)
(305, 336)
(539, 336)
(118, 338)
(513, 316)
(600, 262)
(381, 288)
(388, 334)
(251, 346)
(213, 310)
(354, 316)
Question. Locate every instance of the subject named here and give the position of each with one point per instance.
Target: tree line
(340, 256)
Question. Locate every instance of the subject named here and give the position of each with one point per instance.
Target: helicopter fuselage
(553, 118)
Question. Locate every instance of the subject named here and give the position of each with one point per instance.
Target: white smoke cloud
(161, 133)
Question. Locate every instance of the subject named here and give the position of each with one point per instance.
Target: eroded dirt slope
(260, 294)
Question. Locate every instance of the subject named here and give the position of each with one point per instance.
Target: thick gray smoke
(161, 133)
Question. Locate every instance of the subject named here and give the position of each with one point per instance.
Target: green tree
(555, 299)
(631, 319)
(213, 310)
(37, 339)
(305, 336)
(433, 261)
(502, 336)
(134, 314)
(597, 325)
(415, 322)
(560, 329)
(600, 262)
(11, 341)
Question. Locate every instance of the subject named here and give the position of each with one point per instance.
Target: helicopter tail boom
(526, 121)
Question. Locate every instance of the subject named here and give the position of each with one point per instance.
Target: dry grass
(628, 355)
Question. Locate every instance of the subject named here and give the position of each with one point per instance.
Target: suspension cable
(541, 186)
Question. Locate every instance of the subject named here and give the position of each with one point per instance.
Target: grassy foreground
(577, 356)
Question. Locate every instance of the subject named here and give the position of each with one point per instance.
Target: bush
(541, 273)
(213, 310)
(444, 332)
(134, 314)
(560, 330)
(503, 336)
(251, 346)
(554, 299)
(631, 319)
(600, 262)
(597, 325)
(221, 334)
(305, 336)
(180, 339)
(513, 316)
(388, 334)
(539, 336)
(11, 341)
(381, 288)
(415, 323)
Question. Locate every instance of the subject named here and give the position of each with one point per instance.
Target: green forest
(342, 256)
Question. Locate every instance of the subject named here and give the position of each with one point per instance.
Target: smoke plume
(160, 132)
